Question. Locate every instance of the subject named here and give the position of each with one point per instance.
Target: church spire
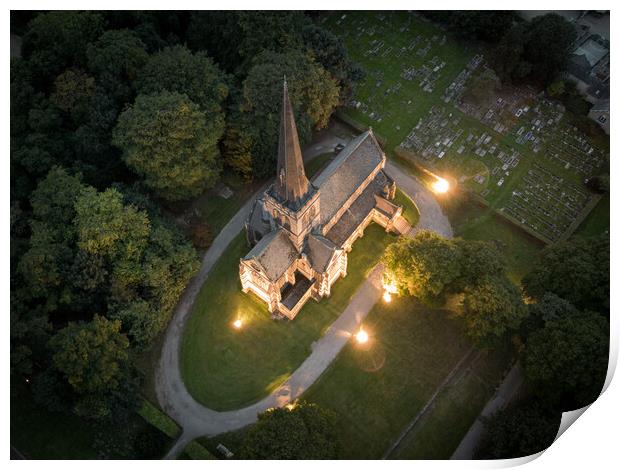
(291, 185)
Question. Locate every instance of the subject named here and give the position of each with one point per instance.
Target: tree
(482, 90)
(576, 270)
(165, 138)
(305, 431)
(537, 50)
(105, 226)
(93, 359)
(329, 51)
(487, 25)
(550, 38)
(518, 431)
(479, 260)
(550, 307)
(424, 266)
(566, 361)
(57, 40)
(313, 94)
(115, 59)
(176, 69)
(73, 90)
(492, 308)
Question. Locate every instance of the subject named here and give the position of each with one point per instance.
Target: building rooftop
(320, 252)
(273, 254)
(346, 173)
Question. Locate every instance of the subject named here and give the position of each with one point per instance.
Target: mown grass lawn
(440, 431)
(377, 390)
(224, 368)
(597, 221)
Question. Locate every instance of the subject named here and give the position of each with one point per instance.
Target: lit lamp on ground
(361, 336)
(441, 186)
(388, 290)
(237, 324)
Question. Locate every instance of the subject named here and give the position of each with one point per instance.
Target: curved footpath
(197, 420)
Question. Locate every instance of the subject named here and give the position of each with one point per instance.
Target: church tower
(292, 201)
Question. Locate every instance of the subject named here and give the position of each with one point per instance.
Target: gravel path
(197, 420)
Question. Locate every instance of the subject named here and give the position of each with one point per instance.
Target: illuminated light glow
(441, 185)
(387, 297)
(237, 324)
(361, 336)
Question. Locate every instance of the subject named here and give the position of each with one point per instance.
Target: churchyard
(516, 149)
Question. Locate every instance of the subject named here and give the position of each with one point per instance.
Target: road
(197, 420)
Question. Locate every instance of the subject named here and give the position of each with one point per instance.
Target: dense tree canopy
(314, 95)
(537, 50)
(304, 432)
(58, 39)
(518, 431)
(176, 69)
(492, 307)
(576, 270)
(167, 140)
(566, 361)
(424, 266)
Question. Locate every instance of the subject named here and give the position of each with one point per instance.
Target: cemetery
(514, 147)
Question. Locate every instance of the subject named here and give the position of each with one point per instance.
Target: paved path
(197, 420)
(506, 392)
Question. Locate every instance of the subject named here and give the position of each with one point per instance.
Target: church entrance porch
(294, 296)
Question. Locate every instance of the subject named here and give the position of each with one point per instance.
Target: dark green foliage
(486, 25)
(176, 69)
(314, 96)
(520, 430)
(303, 432)
(576, 270)
(566, 361)
(115, 60)
(492, 308)
(73, 90)
(57, 40)
(599, 183)
(425, 266)
(537, 50)
(168, 141)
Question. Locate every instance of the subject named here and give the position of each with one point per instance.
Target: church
(301, 231)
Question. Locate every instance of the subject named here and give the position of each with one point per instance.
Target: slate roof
(320, 251)
(353, 217)
(347, 172)
(274, 254)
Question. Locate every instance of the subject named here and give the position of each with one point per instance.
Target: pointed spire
(291, 183)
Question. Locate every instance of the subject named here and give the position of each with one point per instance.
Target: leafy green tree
(73, 90)
(116, 59)
(486, 25)
(566, 361)
(91, 355)
(313, 93)
(478, 260)
(424, 266)
(575, 270)
(522, 429)
(105, 226)
(176, 69)
(550, 307)
(492, 307)
(57, 40)
(550, 38)
(165, 138)
(93, 358)
(303, 432)
(329, 51)
(217, 33)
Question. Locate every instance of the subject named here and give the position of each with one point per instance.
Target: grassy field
(440, 430)
(377, 390)
(224, 368)
(597, 221)
(410, 63)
